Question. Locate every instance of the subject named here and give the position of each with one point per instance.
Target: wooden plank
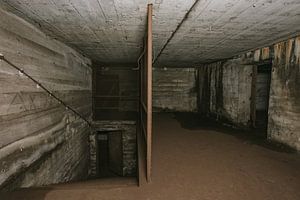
(253, 96)
(149, 94)
(145, 107)
(142, 179)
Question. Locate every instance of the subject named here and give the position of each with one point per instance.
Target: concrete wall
(41, 142)
(115, 93)
(174, 89)
(128, 129)
(224, 91)
(284, 105)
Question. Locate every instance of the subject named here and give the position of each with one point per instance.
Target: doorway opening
(109, 154)
(263, 82)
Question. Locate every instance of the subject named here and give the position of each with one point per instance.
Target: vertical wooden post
(253, 97)
(149, 93)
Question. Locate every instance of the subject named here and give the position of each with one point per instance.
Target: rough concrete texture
(224, 91)
(174, 89)
(220, 29)
(284, 107)
(128, 129)
(112, 31)
(196, 164)
(284, 113)
(121, 96)
(41, 142)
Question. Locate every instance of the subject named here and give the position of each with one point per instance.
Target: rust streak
(288, 50)
(297, 50)
(265, 53)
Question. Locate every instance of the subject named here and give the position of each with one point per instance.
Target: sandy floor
(197, 164)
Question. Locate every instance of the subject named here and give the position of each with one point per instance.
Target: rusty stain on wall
(284, 106)
(265, 53)
(284, 102)
(297, 50)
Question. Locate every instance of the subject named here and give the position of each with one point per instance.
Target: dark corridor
(109, 154)
(263, 81)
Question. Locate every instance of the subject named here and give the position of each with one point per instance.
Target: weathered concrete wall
(284, 105)
(224, 91)
(128, 129)
(284, 100)
(41, 142)
(174, 89)
(115, 93)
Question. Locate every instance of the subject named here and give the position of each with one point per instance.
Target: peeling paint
(284, 102)
(265, 53)
(284, 106)
(288, 53)
(257, 55)
(278, 49)
(297, 50)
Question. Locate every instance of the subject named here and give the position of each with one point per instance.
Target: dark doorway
(263, 81)
(109, 154)
(115, 152)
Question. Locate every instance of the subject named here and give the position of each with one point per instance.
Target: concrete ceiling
(185, 32)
